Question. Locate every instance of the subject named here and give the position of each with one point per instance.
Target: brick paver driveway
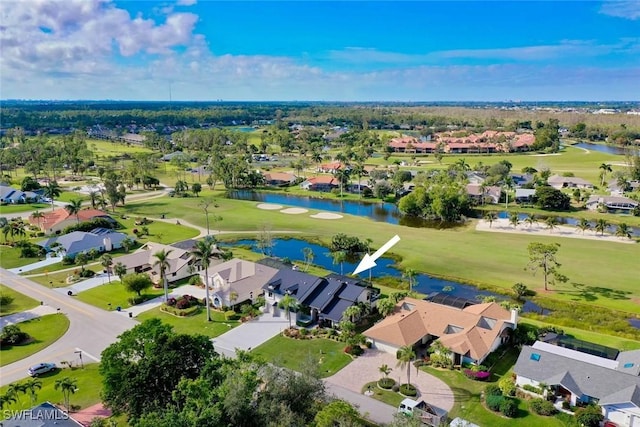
(364, 369)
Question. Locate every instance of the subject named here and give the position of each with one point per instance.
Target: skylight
(535, 357)
(628, 365)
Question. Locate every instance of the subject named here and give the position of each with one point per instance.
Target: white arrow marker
(369, 261)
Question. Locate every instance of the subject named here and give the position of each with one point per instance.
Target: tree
(385, 306)
(514, 219)
(410, 274)
(37, 215)
(549, 198)
(543, 257)
(196, 188)
(82, 258)
(490, 217)
(202, 253)
(31, 386)
(583, 224)
(142, 369)
(336, 413)
(589, 416)
(352, 312)
(530, 220)
(385, 370)
(67, 386)
(93, 198)
(623, 230)
(6, 399)
(520, 290)
(15, 389)
(162, 262)
(106, 261)
(339, 257)
(308, 257)
(601, 226)
(120, 270)
(52, 191)
(551, 223)
(604, 169)
(288, 303)
(74, 208)
(406, 354)
(137, 282)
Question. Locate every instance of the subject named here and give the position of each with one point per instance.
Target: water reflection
(601, 148)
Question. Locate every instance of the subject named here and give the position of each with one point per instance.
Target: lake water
(292, 249)
(609, 149)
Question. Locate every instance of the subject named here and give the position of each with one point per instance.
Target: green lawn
(23, 207)
(106, 148)
(387, 396)
(113, 293)
(20, 301)
(482, 258)
(159, 231)
(58, 279)
(292, 353)
(196, 324)
(44, 330)
(10, 258)
(89, 386)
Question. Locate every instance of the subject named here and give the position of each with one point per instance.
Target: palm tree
(37, 215)
(342, 175)
(385, 370)
(52, 190)
(288, 303)
(68, 387)
(120, 270)
(74, 208)
(623, 230)
(601, 226)
(6, 399)
(162, 262)
(490, 217)
(82, 259)
(106, 261)
(308, 257)
(32, 386)
(514, 219)
(94, 196)
(352, 312)
(339, 257)
(583, 225)
(358, 170)
(410, 274)
(462, 165)
(551, 223)
(530, 220)
(15, 389)
(605, 168)
(202, 253)
(405, 355)
(385, 306)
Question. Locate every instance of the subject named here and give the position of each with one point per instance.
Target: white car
(41, 368)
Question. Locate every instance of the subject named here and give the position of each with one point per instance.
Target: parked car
(41, 368)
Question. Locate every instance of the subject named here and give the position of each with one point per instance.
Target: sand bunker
(294, 211)
(540, 229)
(326, 215)
(269, 206)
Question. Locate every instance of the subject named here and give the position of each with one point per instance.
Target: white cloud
(628, 9)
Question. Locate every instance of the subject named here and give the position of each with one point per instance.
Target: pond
(609, 149)
(292, 249)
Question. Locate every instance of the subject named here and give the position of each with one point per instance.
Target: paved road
(91, 329)
(374, 410)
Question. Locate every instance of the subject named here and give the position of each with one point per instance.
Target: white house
(236, 281)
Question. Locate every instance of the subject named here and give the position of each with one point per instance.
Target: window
(535, 357)
(270, 294)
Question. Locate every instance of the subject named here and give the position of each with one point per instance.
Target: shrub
(171, 302)
(354, 350)
(532, 388)
(509, 408)
(182, 304)
(494, 402)
(566, 405)
(12, 335)
(29, 251)
(68, 260)
(195, 280)
(230, 315)
(395, 388)
(5, 300)
(386, 383)
(368, 344)
(542, 407)
(136, 300)
(408, 390)
(507, 385)
(492, 390)
(589, 416)
(87, 273)
(477, 375)
(304, 331)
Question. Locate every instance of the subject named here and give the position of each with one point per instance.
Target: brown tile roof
(52, 218)
(323, 180)
(279, 176)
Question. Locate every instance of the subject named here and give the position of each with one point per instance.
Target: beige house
(471, 333)
(236, 281)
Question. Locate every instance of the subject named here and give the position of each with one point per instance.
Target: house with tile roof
(71, 244)
(59, 219)
(559, 182)
(471, 333)
(322, 183)
(481, 194)
(279, 179)
(579, 377)
(237, 281)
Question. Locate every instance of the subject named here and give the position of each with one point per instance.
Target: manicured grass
(113, 293)
(23, 207)
(44, 330)
(159, 231)
(292, 353)
(10, 258)
(20, 302)
(196, 324)
(58, 279)
(483, 258)
(387, 396)
(89, 386)
(106, 148)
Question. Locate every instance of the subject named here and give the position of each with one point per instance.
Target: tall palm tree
(67, 386)
(530, 220)
(202, 253)
(514, 219)
(339, 257)
(358, 170)
(15, 389)
(490, 217)
(551, 223)
(120, 270)
(6, 399)
(31, 386)
(605, 168)
(342, 175)
(106, 261)
(94, 196)
(162, 262)
(52, 191)
(37, 215)
(583, 225)
(74, 208)
(308, 257)
(623, 230)
(410, 274)
(352, 312)
(288, 303)
(601, 226)
(385, 370)
(405, 355)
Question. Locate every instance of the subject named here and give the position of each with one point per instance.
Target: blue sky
(329, 51)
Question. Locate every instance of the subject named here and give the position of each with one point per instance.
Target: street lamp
(79, 353)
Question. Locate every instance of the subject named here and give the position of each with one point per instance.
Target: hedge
(408, 390)
(386, 383)
(494, 402)
(542, 407)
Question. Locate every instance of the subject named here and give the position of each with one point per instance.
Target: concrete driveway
(364, 369)
(250, 334)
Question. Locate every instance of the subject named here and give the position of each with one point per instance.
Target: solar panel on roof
(450, 300)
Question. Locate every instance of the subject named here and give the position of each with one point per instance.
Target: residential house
(611, 203)
(71, 244)
(481, 194)
(581, 378)
(617, 190)
(525, 195)
(332, 167)
(521, 179)
(320, 183)
(181, 263)
(475, 177)
(471, 333)
(43, 415)
(279, 179)
(326, 298)
(486, 142)
(133, 138)
(559, 182)
(10, 195)
(236, 281)
(59, 219)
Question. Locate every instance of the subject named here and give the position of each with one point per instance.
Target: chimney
(514, 317)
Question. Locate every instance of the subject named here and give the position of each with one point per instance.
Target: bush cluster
(477, 375)
(231, 315)
(12, 335)
(87, 273)
(496, 402)
(408, 390)
(386, 383)
(354, 350)
(542, 407)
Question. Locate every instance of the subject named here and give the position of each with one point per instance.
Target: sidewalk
(36, 265)
(95, 281)
(23, 316)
